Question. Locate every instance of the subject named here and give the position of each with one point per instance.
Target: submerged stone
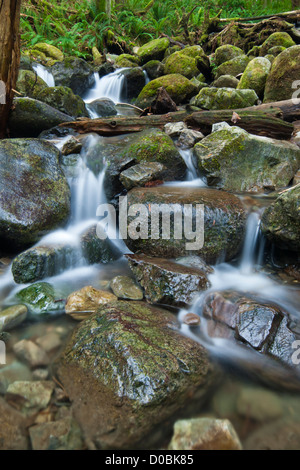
(12, 316)
(81, 304)
(40, 299)
(124, 287)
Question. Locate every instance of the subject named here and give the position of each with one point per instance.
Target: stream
(252, 272)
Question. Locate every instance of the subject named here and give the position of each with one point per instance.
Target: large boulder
(184, 62)
(166, 282)
(226, 53)
(29, 84)
(225, 98)
(234, 160)
(177, 86)
(255, 76)
(30, 117)
(49, 50)
(128, 368)
(281, 221)
(279, 39)
(153, 50)
(63, 99)
(224, 222)
(284, 72)
(232, 67)
(34, 195)
(73, 73)
(134, 82)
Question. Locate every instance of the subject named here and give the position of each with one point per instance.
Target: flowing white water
(110, 86)
(44, 74)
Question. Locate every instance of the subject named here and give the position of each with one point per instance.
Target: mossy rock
(30, 117)
(74, 73)
(255, 76)
(153, 145)
(25, 63)
(233, 67)
(49, 51)
(226, 81)
(154, 69)
(284, 72)
(281, 222)
(40, 299)
(234, 160)
(226, 53)
(34, 195)
(177, 86)
(29, 84)
(184, 62)
(129, 368)
(277, 39)
(171, 50)
(225, 98)
(127, 60)
(153, 50)
(224, 223)
(276, 50)
(63, 99)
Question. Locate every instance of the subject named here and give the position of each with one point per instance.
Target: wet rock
(263, 163)
(71, 146)
(105, 69)
(282, 434)
(125, 287)
(226, 53)
(103, 107)
(255, 76)
(31, 354)
(191, 319)
(73, 73)
(49, 342)
(139, 383)
(154, 69)
(194, 261)
(280, 221)
(261, 326)
(12, 372)
(225, 98)
(81, 304)
(41, 300)
(12, 317)
(166, 282)
(133, 84)
(258, 404)
(153, 50)
(232, 67)
(63, 99)
(142, 173)
(29, 84)
(188, 138)
(96, 250)
(204, 434)
(63, 434)
(153, 145)
(224, 223)
(180, 89)
(174, 129)
(280, 39)
(226, 81)
(284, 72)
(127, 60)
(163, 103)
(33, 396)
(13, 435)
(30, 117)
(39, 262)
(34, 195)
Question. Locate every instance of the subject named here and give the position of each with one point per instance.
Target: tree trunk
(9, 56)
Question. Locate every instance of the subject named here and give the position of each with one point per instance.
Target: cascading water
(110, 86)
(44, 74)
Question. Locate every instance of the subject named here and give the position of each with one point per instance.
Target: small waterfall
(253, 245)
(110, 86)
(187, 156)
(44, 74)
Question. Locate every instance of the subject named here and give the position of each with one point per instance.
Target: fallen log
(267, 123)
(288, 15)
(123, 124)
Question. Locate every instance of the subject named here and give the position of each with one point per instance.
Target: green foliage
(75, 28)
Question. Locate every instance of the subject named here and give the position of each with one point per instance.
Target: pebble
(124, 287)
(34, 396)
(12, 372)
(30, 353)
(191, 319)
(259, 404)
(12, 317)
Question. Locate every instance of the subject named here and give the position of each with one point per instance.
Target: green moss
(153, 50)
